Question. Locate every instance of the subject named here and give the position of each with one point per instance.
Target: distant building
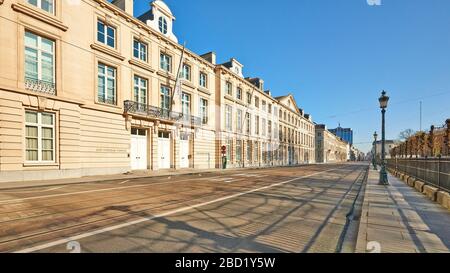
(329, 147)
(344, 133)
(388, 145)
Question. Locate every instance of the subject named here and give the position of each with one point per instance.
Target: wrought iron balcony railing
(40, 86)
(160, 113)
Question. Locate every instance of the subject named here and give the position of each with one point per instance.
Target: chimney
(125, 5)
(210, 57)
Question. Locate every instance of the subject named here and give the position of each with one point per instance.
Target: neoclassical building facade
(329, 147)
(87, 88)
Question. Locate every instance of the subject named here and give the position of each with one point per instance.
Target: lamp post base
(383, 177)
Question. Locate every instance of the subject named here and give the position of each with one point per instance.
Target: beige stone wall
(329, 147)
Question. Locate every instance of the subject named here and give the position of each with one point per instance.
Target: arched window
(163, 25)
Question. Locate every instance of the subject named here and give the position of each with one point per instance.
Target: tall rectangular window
(229, 145)
(106, 34)
(239, 93)
(39, 59)
(140, 90)
(46, 5)
(203, 80)
(239, 121)
(140, 50)
(263, 126)
(256, 102)
(229, 89)
(165, 62)
(165, 97)
(186, 105)
(106, 84)
(247, 123)
(249, 150)
(257, 125)
(269, 128)
(204, 110)
(249, 98)
(186, 72)
(238, 150)
(39, 136)
(263, 105)
(228, 117)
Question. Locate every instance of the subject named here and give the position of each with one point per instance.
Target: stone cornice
(110, 52)
(39, 16)
(141, 65)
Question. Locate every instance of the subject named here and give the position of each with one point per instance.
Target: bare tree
(404, 135)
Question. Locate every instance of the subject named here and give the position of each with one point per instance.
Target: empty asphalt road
(296, 209)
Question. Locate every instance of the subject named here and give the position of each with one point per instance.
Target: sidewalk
(127, 176)
(401, 219)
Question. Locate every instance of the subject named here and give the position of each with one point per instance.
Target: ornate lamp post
(374, 157)
(383, 105)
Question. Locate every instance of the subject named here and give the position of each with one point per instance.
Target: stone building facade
(87, 88)
(329, 147)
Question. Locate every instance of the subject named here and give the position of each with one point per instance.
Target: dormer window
(163, 25)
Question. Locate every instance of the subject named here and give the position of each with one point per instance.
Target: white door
(164, 150)
(184, 153)
(138, 151)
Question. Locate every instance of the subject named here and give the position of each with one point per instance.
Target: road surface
(296, 209)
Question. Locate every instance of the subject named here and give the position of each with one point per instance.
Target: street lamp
(383, 105)
(374, 157)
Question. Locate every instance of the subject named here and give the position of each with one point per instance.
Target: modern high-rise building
(344, 133)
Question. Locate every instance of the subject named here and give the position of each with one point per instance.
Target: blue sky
(334, 56)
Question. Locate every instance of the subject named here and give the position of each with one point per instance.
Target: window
(229, 88)
(106, 84)
(165, 97)
(256, 102)
(204, 110)
(270, 108)
(228, 144)
(248, 123)
(106, 34)
(39, 136)
(185, 105)
(239, 121)
(239, 93)
(166, 62)
(228, 117)
(255, 151)
(186, 72)
(140, 50)
(140, 90)
(162, 23)
(203, 80)
(269, 128)
(46, 5)
(249, 98)
(39, 59)
(257, 125)
(263, 126)
(238, 150)
(249, 150)
(264, 105)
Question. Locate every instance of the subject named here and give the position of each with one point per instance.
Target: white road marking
(135, 222)
(51, 189)
(107, 189)
(123, 182)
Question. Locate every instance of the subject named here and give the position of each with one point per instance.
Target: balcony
(40, 86)
(153, 112)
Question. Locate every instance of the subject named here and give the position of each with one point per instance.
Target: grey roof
(146, 16)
